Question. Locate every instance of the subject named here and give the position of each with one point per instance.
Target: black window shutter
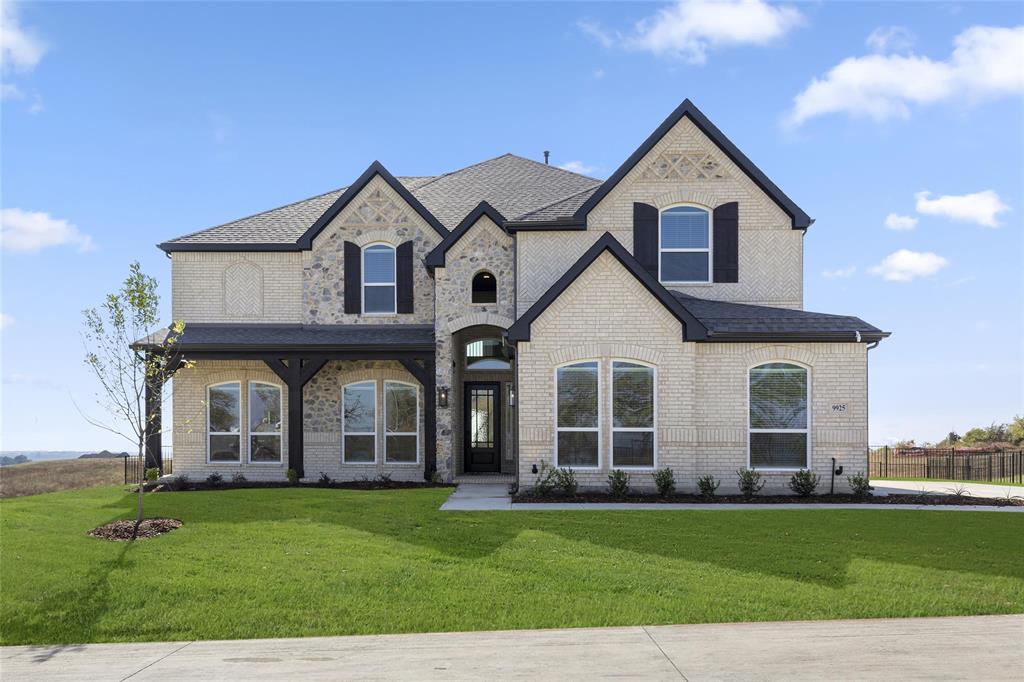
(645, 237)
(403, 274)
(727, 242)
(353, 279)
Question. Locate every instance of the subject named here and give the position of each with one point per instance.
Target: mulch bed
(932, 500)
(127, 530)
(371, 484)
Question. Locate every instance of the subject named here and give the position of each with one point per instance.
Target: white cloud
(12, 92)
(688, 29)
(904, 265)
(960, 282)
(20, 48)
(9, 91)
(578, 167)
(839, 272)
(980, 207)
(987, 62)
(890, 39)
(30, 231)
(895, 221)
(6, 321)
(19, 378)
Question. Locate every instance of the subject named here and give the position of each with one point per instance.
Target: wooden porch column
(296, 374)
(430, 405)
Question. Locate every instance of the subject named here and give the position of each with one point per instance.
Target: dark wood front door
(481, 415)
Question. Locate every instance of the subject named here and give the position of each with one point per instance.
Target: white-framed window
(359, 422)
(578, 415)
(264, 423)
(634, 409)
(684, 245)
(401, 422)
(379, 286)
(779, 428)
(224, 422)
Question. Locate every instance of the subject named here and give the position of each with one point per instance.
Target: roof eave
(436, 257)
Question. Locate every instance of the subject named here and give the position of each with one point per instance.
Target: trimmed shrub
(324, 479)
(544, 485)
(804, 482)
(860, 486)
(707, 485)
(665, 481)
(238, 478)
(293, 476)
(750, 482)
(618, 483)
(565, 480)
(214, 480)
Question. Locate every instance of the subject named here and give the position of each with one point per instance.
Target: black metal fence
(947, 464)
(134, 465)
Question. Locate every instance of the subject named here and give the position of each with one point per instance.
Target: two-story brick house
(512, 313)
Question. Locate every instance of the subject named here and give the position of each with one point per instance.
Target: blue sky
(125, 124)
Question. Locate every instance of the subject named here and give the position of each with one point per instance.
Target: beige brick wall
(770, 251)
(236, 286)
(701, 387)
(321, 420)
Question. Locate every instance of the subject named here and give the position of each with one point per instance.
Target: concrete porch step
(485, 479)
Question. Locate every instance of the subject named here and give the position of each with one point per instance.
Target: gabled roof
(435, 259)
(376, 169)
(801, 221)
(693, 330)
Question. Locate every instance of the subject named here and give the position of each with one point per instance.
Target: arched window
(264, 422)
(485, 287)
(779, 395)
(379, 279)
(224, 422)
(684, 245)
(577, 416)
(359, 422)
(487, 354)
(633, 415)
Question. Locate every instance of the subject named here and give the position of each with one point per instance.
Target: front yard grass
(302, 562)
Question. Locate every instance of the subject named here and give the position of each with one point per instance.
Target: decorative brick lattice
(243, 290)
(377, 209)
(681, 166)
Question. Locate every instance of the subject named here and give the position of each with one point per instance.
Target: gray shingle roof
(514, 185)
(563, 208)
(724, 319)
(295, 337)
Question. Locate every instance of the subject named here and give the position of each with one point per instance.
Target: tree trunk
(142, 482)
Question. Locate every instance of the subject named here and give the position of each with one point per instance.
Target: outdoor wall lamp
(442, 396)
(534, 468)
(511, 395)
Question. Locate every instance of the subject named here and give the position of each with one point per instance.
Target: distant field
(70, 474)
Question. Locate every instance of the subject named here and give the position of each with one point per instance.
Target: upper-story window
(685, 245)
(485, 287)
(379, 290)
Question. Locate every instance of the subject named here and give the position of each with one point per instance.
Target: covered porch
(293, 357)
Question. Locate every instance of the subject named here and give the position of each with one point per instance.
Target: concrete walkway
(946, 488)
(479, 497)
(971, 648)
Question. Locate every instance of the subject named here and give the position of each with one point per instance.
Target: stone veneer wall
(684, 167)
(483, 247)
(701, 387)
(377, 214)
(321, 419)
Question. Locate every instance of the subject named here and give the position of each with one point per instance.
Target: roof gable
(800, 220)
(376, 168)
(435, 259)
(693, 330)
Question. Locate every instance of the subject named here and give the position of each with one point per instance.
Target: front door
(482, 433)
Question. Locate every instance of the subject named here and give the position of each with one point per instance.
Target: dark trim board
(435, 259)
(693, 330)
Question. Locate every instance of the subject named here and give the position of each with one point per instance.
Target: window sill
(778, 470)
(265, 464)
(687, 284)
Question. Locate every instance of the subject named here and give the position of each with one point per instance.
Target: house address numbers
(838, 407)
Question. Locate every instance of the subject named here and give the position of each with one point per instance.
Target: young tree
(124, 367)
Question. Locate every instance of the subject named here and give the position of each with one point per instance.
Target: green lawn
(299, 562)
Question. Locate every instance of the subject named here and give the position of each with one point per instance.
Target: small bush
(665, 481)
(750, 482)
(565, 480)
(214, 480)
(383, 478)
(618, 483)
(860, 486)
(804, 482)
(238, 478)
(293, 476)
(180, 482)
(152, 474)
(324, 479)
(435, 477)
(544, 484)
(707, 485)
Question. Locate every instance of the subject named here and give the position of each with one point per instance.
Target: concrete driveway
(979, 647)
(947, 488)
